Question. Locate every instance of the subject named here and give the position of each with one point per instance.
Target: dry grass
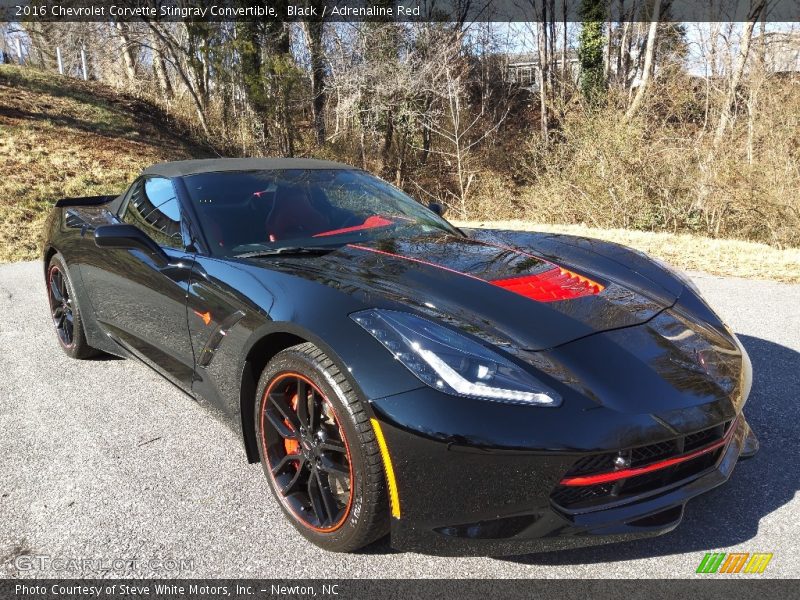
(661, 171)
(687, 252)
(61, 137)
(68, 138)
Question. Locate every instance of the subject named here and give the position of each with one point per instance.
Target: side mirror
(437, 208)
(130, 238)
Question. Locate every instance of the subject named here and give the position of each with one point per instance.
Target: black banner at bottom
(401, 589)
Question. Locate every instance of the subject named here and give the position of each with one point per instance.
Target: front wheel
(319, 452)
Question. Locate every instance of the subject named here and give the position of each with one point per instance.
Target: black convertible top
(213, 165)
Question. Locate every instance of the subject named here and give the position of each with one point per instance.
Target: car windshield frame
(348, 205)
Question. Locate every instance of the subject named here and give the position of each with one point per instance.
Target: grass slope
(62, 137)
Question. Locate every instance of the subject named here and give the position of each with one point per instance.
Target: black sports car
(470, 391)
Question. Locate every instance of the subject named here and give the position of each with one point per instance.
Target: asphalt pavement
(104, 462)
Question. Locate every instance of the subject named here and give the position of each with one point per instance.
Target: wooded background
(636, 122)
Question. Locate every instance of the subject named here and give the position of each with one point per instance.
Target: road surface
(103, 460)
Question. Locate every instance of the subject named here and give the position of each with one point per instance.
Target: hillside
(63, 137)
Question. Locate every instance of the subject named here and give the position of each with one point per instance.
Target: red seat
(294, 216)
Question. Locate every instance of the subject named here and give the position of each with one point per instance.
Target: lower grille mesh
(597, 495)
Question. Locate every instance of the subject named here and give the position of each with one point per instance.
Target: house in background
(524, 69)
(778, 50)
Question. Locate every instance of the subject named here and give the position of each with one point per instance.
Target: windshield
(249, 211)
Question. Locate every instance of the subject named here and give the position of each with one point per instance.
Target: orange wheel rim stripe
(265, 451)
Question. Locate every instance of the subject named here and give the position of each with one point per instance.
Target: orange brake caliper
(291, 446)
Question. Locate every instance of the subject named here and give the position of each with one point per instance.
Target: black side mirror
(437, 208)
(129, 237)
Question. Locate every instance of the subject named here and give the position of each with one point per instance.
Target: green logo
(734, 562)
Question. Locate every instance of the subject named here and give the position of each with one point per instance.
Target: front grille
(693, 441)
(594, 463)
(654, 452)
(568, 496)
(591, 496)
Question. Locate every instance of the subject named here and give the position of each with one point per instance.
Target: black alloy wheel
(61, 307)
(65, 312)
(319, 451)
(311, 461)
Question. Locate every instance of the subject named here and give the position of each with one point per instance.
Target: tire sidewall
(75, 348)
(293, 361)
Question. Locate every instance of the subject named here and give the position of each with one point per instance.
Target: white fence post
(19, 50)
(83, 64)
(60, 62)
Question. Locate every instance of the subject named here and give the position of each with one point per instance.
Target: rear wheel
(319, 452)
(65, 312)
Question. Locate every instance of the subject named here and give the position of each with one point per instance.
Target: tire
(65, 311)
(359, 514)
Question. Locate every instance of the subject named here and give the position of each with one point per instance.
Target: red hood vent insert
(554, 284)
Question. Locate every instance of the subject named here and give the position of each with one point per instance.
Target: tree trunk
(426, 128)
(609, 46)
(623, 51)
(173, 48)
(313, 33)
(551, 56)
(288, 127)
(564, 48)
(543, 74)
(388, 137)
(160, 67)
(648, 62)
(127, 55)
(741, 62)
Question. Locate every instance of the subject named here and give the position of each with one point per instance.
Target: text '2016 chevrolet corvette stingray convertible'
(467, 391)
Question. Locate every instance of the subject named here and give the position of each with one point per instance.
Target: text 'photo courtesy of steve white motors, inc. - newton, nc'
(159, 589)
(132, 11)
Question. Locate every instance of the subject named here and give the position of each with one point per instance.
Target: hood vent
(553, 284)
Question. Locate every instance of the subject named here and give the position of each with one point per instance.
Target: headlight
(451, 362)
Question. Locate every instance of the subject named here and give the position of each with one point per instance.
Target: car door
(139, 301)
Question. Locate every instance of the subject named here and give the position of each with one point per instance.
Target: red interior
(369, 223)
(294, 216)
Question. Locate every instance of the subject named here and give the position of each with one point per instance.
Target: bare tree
(648, 61)
(126, 49)
(541, 39)
(741, 60)
(160, 66)
(624, 51)
(313, 32)
(181, 58)
(460, 132)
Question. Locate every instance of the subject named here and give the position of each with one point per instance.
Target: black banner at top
(395, 10)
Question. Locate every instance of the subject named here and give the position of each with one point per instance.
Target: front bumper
(457, 498)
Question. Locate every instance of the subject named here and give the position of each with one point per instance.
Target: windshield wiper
(288, 251)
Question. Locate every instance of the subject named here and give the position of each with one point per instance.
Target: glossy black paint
(474, 476)
(129, 237)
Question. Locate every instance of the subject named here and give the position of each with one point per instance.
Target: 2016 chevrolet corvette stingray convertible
(467, 391)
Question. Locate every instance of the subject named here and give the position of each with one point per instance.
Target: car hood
(455, 279)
